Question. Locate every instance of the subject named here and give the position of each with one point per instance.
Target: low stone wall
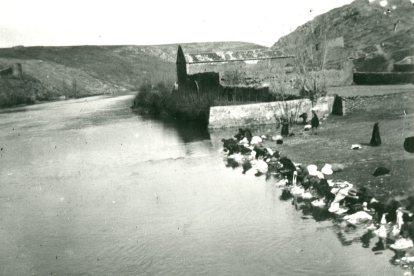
(266, 113)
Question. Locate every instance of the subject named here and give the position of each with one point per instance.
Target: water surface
(90, 188)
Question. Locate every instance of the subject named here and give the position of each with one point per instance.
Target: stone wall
(202, 82)
(266, 113)
(236, 72)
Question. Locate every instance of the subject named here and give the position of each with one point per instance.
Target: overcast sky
(122, 22)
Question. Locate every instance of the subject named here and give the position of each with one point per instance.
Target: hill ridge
(374, 37)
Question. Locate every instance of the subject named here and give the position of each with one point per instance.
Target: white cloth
(327, 169)
(256, 140)
(340, 193)
(402, 244)
(400, 221)
(312, 169)
(360, 216)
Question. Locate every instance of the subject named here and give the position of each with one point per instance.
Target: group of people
(339, 197)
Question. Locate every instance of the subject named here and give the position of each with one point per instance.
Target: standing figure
(248, 135)
(314, 122)
(304, 117)
(376, 139)
(285, 129)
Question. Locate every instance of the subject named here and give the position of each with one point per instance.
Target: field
(337, 134)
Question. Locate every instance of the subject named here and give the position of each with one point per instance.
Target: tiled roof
(406, 61)
(233, 56)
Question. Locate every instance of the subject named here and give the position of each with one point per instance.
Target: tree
(310, 50)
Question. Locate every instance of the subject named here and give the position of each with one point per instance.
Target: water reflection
(286, 195)
(366, 239)
(308, 210)
(188, 131)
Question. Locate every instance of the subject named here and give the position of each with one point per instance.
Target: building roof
(233, 56)
(406, 61)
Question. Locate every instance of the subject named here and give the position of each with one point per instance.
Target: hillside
(88, 70)
(371, 36)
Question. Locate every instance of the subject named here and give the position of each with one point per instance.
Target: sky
(125, 22)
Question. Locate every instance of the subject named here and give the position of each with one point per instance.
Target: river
(88, 187)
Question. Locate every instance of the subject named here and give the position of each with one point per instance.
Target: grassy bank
(338, 133)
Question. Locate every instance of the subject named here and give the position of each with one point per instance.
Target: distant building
(245, 68)
(405, 65)
(14, 71)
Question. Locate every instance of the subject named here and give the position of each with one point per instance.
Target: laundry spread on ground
(392, 222)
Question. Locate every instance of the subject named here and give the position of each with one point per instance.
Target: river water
(90, 188)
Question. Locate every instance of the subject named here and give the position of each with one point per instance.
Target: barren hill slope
(372, 36)
(89, 70)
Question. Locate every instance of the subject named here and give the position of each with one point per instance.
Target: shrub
(25, 90)
(313, 92)
(158, 99)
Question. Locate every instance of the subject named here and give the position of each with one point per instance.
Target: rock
(337, 167)
(409, 144)
(381, 171)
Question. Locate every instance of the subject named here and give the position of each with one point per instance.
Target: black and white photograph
(207, 138)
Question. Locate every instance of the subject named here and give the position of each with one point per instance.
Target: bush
(187, 105)
(25, 90)
(312, 93)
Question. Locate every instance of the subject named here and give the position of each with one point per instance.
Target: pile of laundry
(354, 205)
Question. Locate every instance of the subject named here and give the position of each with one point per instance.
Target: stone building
(247, 68)
(14, 71)
(405, 65)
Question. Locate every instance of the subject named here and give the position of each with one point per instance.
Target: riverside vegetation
(161, 100)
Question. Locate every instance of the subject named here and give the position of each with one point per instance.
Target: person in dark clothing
(314, 122)
(304, 117)
(248, 135)
(244, 133)
(285, 129)
(376, 139)
(228, 142)
(288, 168)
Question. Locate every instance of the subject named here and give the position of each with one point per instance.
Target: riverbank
(332, 144)
(337, 134)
